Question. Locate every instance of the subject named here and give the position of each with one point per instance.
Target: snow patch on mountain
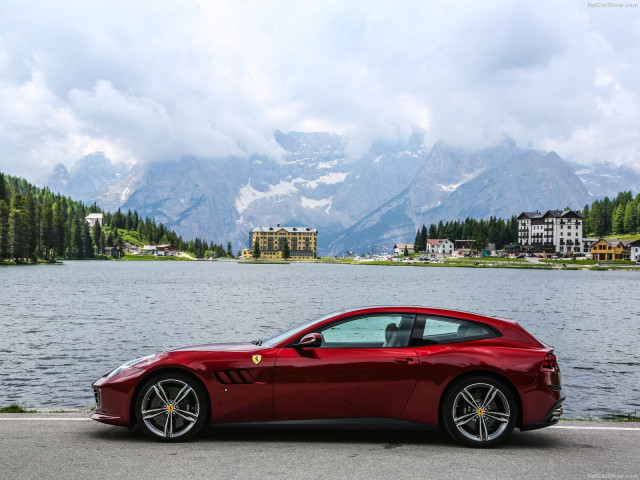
(247, 194)
(328, 179)
(465, 178)
(311, 203)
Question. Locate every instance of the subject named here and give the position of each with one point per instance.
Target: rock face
(222, 199)
(377, 199)
(87, 177)
(608, 179)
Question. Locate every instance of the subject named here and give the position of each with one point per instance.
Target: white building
(635, 251)
(398, 248)
(551, 231)
(149, 250)
(439, 247)
(94, 218)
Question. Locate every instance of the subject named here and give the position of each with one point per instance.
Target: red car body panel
(290, 383)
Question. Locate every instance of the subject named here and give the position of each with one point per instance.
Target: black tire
(479, 411)
(171, 407)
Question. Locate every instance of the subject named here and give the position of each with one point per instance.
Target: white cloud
(144, 81)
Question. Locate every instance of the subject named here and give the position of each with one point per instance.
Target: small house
(398, 248)
(167, 250)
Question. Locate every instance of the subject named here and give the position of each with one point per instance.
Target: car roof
(424, 310)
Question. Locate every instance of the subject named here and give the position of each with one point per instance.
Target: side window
(369, 332)
(439, 330)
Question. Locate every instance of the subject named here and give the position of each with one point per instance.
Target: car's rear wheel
(479, 411)
(171, 407)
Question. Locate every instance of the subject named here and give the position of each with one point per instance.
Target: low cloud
(148, 81)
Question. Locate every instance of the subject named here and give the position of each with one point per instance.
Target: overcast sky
(145, 81)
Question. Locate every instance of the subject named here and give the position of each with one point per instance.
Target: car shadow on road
(387, 438)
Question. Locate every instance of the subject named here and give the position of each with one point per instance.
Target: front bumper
(552, 417)
(113, 397)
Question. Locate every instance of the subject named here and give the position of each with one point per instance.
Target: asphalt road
(43, 446)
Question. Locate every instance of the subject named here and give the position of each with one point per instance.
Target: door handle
(405, 361)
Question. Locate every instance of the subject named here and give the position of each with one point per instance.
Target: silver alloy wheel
(481, 412)
(170, 408)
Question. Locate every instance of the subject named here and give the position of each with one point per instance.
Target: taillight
(550, 362)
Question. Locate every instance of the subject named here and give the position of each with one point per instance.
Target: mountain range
(376, 199)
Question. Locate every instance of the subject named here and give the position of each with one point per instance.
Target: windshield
(292, 331)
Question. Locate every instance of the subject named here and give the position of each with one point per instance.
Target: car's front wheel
(171, 407)
(479, 411)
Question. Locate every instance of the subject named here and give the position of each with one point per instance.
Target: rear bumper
(552, 417)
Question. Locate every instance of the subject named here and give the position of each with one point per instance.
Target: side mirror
(310, 340)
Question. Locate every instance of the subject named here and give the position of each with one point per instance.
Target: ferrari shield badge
(256, 359)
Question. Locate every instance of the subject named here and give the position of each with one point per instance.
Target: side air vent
(234, 376)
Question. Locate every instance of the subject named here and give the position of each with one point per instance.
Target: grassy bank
(487, 262)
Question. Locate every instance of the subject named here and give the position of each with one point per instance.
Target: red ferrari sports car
(476, 376)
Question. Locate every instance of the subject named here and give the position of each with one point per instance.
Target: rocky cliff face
(89, 176)
(223, 199)
(379, 198)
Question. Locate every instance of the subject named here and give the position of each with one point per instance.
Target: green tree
(17, 227)
(87, 244)
(229, 250)
(286, 252)
(256, 249)
(4, 194)
(47, 232)
(406, 251)
(617, 221)
(96, 235)
(4, 228)
(630, 218)
(31, 229)
(479, 238)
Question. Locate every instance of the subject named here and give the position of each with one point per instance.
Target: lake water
(63, 326)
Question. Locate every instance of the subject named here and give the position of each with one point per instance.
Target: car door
(363, 368)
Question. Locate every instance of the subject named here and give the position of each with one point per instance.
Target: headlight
(130, 363)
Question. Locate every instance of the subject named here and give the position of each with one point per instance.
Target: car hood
(220, 347)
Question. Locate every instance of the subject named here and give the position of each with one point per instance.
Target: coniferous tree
(4, 228)
(48, 241)
(96, 235)
(60, 229)
(87, 244)
(286, 252)
(4, 194)
(229, 250)
(423, 238)
(629, 220)
(256, 249)
(617, 221)
(16, 227)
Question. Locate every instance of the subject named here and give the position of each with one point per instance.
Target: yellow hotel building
(303, 242)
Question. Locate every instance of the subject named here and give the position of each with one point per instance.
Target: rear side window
(440, 330)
